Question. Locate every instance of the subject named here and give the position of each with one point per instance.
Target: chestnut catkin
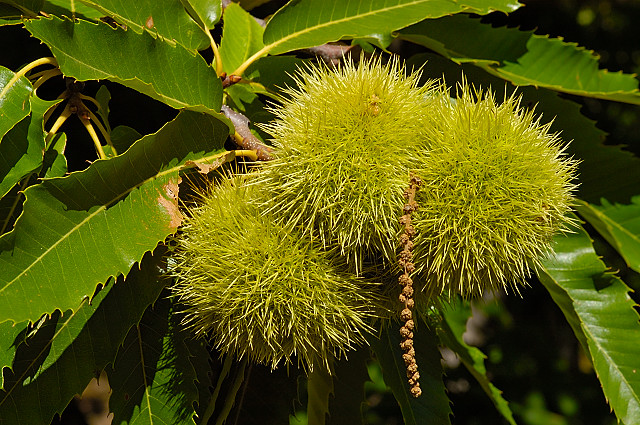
(405, 259)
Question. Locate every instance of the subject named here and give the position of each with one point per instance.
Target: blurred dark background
(532, 353)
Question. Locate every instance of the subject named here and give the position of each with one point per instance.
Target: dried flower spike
(406, 297)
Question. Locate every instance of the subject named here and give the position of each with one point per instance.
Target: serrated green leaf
(523, 58)
(450, 331)
(9, 340)
(601, 313)
(170, 74)
(275, 73)
(600, 165)
(10, 15)
(619, 225)
(15, 102)
(54, 162)
(22, 151)
(205, 12)
(17, 157)
(103, 97)
(433, 405)
(97, 223)
(71, 8)
(27, 8)
(123, 137)
(165, 19)
(307, 23)
(152, 379)
(76, 347)
(241, 37)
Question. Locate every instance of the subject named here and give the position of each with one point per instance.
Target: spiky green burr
(496, 187)
(346, 140)
(260, 290)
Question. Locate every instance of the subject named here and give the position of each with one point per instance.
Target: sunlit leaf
(432, 406)
(97, 223)
(170, 74)
(71, 8)
(241, 37)
(619, 224)
(601, 313)
(205, 12)
(71, 349)
(523, 58)
(14, 100)
(308, 23)
(165, 19)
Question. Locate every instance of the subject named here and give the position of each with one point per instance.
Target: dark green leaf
(307, 23)
(99, 222)
(205, 12)
(619, 225)
(9, 340)
(432, 406)
(152, 377)
(10, 15)
(165, 19)
(170, 74)
(14, 100)
(523, 58)
(123, 137)
(71, 349)
(55, 163)
(241, 37)
(275, 72)
(103, 97)
(71, 8)
(21, 152)
(27, 8)
(600, 165)
(450, 331)
(350, 375)
(17, 157)
(601, 313)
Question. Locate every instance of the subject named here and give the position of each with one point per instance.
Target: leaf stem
(94, 137)
(216, 53)
(28, 67)
(66, 113)
(45, 76)
(103, 131)
(257, 55)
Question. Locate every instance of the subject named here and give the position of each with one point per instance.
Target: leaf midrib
(318, 26)
(95, 213)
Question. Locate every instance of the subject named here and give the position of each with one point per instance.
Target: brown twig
(243, 137)
(405, 261)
